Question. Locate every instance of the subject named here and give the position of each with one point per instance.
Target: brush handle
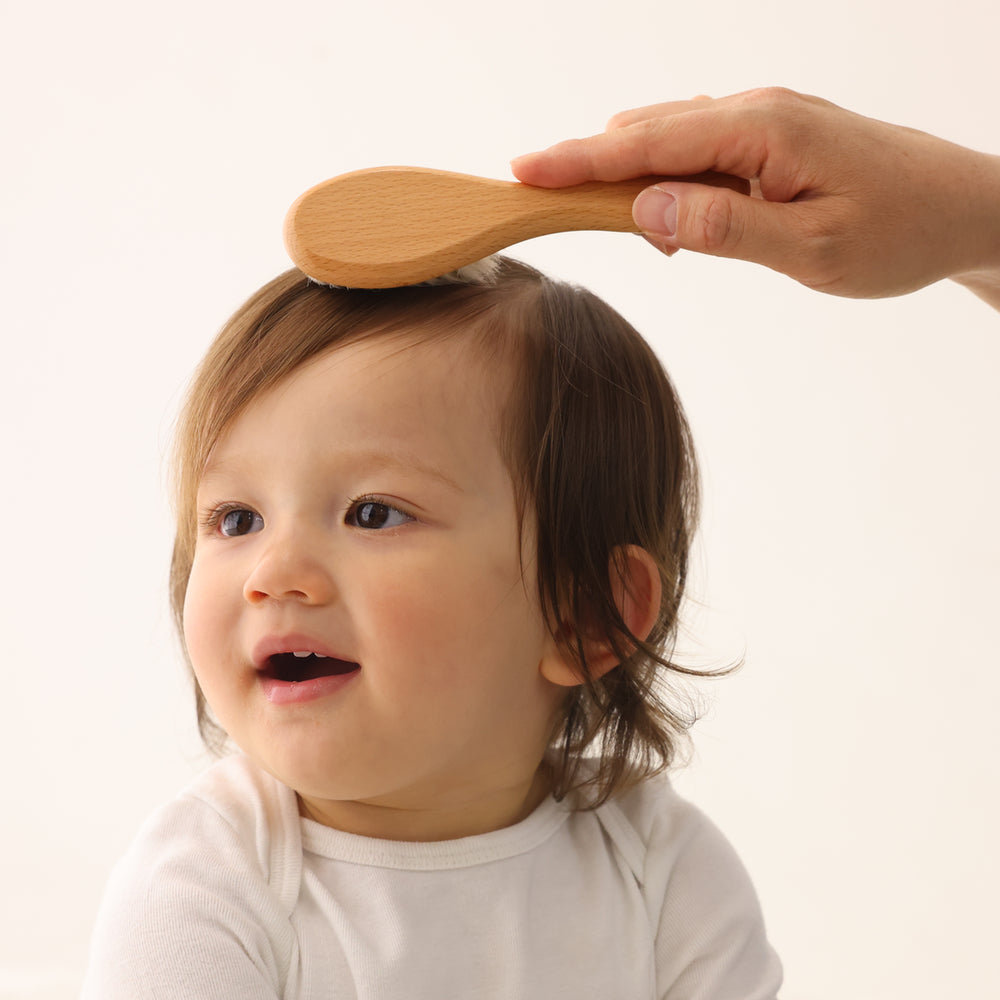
(390, 226)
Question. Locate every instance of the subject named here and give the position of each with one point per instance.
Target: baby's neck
(449, 820)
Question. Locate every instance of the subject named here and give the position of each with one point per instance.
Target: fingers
(561, 165)
(605, 156)
(733, 135)
(615, 155)
(634, 115)
(707, 137)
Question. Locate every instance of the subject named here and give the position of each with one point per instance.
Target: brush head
(386, 227)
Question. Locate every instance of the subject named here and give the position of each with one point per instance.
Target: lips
(296, 670)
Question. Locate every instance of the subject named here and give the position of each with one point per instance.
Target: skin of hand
(841, 203)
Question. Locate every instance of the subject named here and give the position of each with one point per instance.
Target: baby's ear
(635, 584)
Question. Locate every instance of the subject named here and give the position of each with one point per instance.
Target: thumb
(721, 222)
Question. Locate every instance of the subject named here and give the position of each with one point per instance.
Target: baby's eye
(239, 521)
(373, 514)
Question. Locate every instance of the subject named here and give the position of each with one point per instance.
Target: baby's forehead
(429, 397)
(462, 364)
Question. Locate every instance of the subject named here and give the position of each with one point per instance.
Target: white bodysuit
(228, 893)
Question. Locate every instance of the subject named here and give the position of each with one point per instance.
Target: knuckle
(779, 108)
(637, 143)
(774, 98)
(617, 121)
(645, 130)
(791, 121)
(716, 225)
(577, 153)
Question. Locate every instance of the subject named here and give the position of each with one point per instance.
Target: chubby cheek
(205, 620)
(456, 630)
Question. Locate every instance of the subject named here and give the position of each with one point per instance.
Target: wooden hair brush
(389, 226)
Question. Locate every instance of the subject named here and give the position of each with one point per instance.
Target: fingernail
(524, 158)
(655, 211)
(662, 245)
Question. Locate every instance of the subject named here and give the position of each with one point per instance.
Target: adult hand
(842, 203)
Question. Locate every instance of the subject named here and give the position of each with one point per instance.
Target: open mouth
(294, 667)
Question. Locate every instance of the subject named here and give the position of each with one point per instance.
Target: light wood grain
(388, 226)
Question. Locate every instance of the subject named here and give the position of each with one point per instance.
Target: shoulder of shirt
(213, 876)
(233, 813)
(709, 926)
(650, 824)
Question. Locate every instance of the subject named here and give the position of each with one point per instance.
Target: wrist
(980, 271)
(986, 285)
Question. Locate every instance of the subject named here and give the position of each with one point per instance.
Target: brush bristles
(481, 272)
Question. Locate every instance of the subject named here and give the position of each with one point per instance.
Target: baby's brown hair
(597, 446)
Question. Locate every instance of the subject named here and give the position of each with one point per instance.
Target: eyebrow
(367, 458)
(404, 461)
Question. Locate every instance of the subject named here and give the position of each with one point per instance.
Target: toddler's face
(361, 511)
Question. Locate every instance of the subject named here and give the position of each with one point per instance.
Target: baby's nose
(289, 569)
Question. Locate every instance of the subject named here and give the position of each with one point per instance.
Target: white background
(849, 548)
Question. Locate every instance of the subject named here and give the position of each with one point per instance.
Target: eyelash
(211, 518)
(357, 503)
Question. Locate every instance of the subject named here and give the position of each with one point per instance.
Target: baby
(430, 552)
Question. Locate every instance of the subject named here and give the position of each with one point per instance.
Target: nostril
(254, 596)
(257, 595)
